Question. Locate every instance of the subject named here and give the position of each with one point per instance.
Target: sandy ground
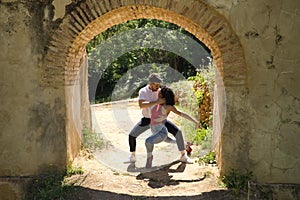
(107, 177)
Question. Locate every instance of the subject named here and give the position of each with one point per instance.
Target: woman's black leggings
(144, 124)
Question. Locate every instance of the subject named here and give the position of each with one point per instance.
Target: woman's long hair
(168, 95)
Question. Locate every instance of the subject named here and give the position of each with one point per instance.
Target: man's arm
(146, 104)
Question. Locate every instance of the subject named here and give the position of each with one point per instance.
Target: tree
(147, 44)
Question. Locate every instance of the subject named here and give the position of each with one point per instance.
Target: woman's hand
(198, 125)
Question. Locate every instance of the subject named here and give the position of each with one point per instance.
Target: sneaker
(149, 162)
(186, 159)
(132, 159)
(188, 148)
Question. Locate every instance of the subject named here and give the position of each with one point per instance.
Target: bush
(202, 137)
(92, 140)
(209, 158)
(236, 180)
(52, 185)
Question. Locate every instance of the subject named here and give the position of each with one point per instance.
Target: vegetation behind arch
(104, 76)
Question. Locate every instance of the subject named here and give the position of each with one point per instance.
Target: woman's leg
(180, 141)
(155, 139)
(174, 130)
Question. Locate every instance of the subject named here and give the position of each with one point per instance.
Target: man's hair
(154, 78)
(168, 95)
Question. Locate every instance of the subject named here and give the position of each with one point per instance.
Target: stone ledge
(276, 191)
(14, 188)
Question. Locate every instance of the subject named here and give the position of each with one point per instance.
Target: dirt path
(107, 177)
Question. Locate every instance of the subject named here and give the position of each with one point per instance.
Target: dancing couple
(156, 103)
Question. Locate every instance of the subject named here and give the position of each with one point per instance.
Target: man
(148, 97)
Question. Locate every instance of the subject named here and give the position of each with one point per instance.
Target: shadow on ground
(80, 193)
(159, 176)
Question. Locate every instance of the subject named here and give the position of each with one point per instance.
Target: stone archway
(66, 52)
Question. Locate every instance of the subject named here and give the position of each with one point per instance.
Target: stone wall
(78, 111)
(32, 116)
(268, 32)
(34, 119)
(255, 45)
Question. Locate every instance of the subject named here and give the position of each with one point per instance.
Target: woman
(159, 114)
(148, 97)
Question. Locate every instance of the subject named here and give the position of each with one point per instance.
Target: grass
(209, 158)
(92, 141)
(52, 185)
(74, 170)
(237, 180)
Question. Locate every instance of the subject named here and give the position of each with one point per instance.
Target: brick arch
(85, 20)
(89, 18)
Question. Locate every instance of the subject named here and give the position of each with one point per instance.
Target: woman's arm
(184, 115)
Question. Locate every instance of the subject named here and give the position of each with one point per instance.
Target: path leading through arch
(100, 179)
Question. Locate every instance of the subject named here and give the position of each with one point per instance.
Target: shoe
(186, 159)
(132, 159)
(149, 162)
(188, 148)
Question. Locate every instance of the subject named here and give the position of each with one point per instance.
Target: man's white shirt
(148, 95)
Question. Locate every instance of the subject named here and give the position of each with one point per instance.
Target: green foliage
(187, 102)
(92, 140)
(236, 180)
(202, 136)
(209, 158)
(205, 75)
(131, 25)
(199, 96)
(71, 170)
(116, 173)
(52, 185)
(186, 99)
(197, 79)
(105, 73)
(187, 128)
(47, 188)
